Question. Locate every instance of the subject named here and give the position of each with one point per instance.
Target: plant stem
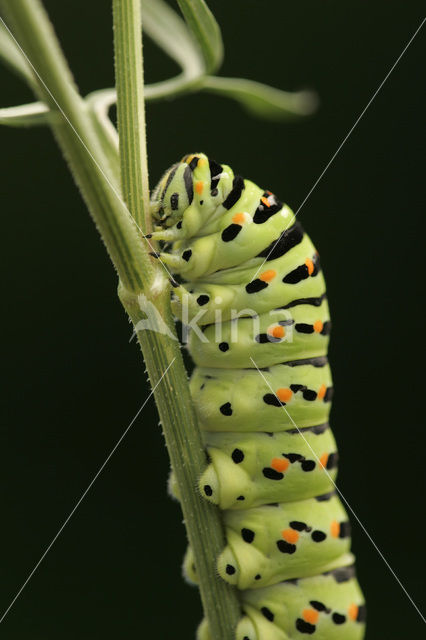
(183, 438)
(188, 461)
(131, 110)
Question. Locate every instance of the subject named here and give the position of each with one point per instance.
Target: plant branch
(188, 461)
(131, 109)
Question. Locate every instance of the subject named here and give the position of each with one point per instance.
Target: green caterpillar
(262, 390)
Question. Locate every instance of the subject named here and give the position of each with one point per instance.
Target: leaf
(26, 115)
(12, 55)
(167, 29)
(206, 30)
(262, 100)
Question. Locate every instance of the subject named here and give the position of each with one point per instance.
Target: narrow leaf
(167, 29)
(26, 115)
(205, 29)
(262, 100)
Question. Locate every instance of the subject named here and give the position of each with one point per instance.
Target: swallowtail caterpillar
(262, 390)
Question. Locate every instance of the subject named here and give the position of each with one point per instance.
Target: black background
(73, 381)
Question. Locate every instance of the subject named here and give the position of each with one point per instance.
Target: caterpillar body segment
(324, 607)
(272, 284)
(285, 397)
(248, 281)
(280, 541)
(280, 335)
(249, 469)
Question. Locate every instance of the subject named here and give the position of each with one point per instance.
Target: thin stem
(183, 437)
(188, 460)
(131, 109)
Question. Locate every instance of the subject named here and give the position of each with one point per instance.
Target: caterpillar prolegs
(250, 280)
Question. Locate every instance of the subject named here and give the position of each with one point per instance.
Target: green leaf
(206, 30)
(11, 54)
(167, 29)
(26, 115)
(262, 100)
(159, 21)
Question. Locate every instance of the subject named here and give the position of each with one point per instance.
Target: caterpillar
(249, 281)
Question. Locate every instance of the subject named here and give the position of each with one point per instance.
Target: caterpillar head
(196, 184)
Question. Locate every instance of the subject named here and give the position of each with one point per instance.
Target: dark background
(73, 382)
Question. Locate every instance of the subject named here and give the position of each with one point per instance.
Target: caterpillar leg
(224, 482)
(175, 262)
(209, 485)
(203, 631)
(184, 227)
(188, 567)
(167, 235)
(255, 626)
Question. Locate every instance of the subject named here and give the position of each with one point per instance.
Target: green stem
(183, 438)
(131, 109)
(188, 460)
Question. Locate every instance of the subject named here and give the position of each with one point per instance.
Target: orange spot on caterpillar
(199, 186)
(277, 331)
(321, 392)
(290, 535)
(323, 460)
(310, 266)
(335, 529)
(284, 394)
(318, 326)
(353, 611)
(279, 464)
(202, 162)
(310, 615)
(265, 201)
(239, 218)
(268, 275)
